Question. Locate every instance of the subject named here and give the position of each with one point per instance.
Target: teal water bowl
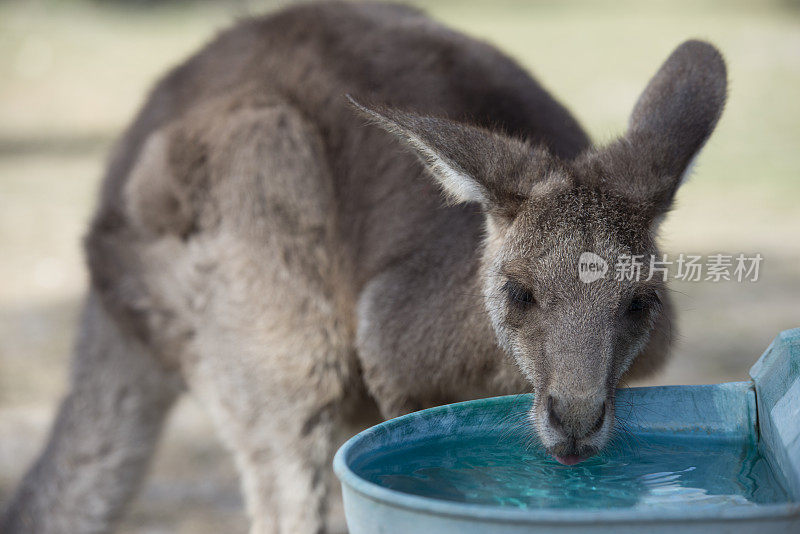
(717, 458)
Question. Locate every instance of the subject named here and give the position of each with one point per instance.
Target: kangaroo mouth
(572, 432)
(570, 459)
(571, 453)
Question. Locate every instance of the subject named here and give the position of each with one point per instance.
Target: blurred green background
(73, 73)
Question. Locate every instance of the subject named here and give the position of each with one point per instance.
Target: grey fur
(259, 244)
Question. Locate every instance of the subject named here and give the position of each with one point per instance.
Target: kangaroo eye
(640, 304)
(519, 295)
(637, 305)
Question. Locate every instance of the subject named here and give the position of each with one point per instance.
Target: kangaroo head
(572, 339)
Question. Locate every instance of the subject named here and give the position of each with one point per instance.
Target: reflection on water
(648, 471)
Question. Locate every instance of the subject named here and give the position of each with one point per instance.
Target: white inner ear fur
(458, 185)
(689, 168)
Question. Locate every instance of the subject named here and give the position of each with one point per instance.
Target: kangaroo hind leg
(274, 357)
(104, 434)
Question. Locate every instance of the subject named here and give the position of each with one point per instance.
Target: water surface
(644, 471)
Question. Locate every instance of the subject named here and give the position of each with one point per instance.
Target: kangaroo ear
(677, 112)
(469, 163)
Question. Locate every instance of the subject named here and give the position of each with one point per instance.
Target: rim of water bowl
(499, 514)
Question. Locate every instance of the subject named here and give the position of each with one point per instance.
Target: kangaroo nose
(576, 417)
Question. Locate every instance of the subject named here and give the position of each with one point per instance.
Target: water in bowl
(644, 471)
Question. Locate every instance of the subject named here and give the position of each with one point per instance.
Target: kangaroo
(287, 256)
